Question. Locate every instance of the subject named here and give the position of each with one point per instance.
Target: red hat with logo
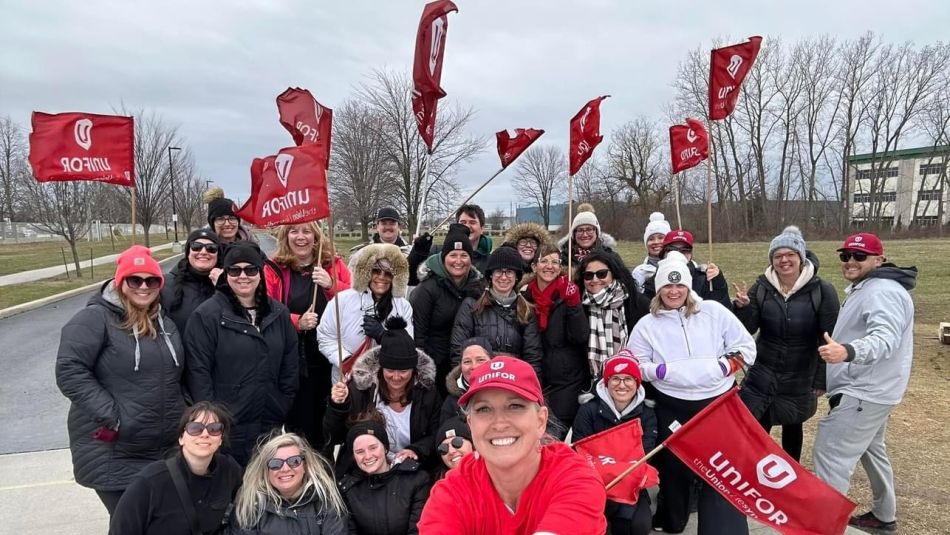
(136, 259)
(863, 242)
(507, 373)
(624, 362)
(678, 236)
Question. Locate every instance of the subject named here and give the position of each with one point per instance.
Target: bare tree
(61, 208)
(497, 219)
(13, 169)
(541, 175)
(639, 158)
(189, 188)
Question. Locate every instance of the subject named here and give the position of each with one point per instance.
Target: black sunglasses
(196, 428)
(600, 274)
(210, 247)
(456, 443)
(293, 461)
(250, 271)
(848, 255)
(134, 281)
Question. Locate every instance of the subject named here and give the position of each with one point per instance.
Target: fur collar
(367, 256)
(366, 370)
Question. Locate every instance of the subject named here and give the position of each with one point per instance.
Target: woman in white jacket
(690, 349)
(380, 280)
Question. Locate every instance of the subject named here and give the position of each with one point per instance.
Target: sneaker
(868, 522)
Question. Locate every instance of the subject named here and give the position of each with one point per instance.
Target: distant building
(909, 187)
(532, 214)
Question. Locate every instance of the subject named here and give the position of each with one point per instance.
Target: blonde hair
(139, 320)
(285, 255)
(256, 490)
(692, 306)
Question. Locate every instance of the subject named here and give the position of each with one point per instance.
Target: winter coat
(363, 394)
(644, 272)
(277, 278)
(501, 327)
(114, 378)
(599, 414)
(253, 371)
(306, 517)
(719, 292)
(386, 504)
(605, 243)
(532, 231)
(151, 505)
(450, 405)
(435, 301)
(196, 288)
(481, 253)
(787, 367)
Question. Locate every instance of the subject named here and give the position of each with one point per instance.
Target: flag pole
(422, 205)
(133, 215)
(676, 199)
(634, 466)
(451, 215)
(570, 218)
(709, 181)
(336, 307)
(318, 262)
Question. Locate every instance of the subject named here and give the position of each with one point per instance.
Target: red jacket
(275, 282)
(565, 497)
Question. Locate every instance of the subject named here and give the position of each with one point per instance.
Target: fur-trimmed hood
(366, 370)
(606, 240)
(363, 268)
(533, 231)
(452, 382)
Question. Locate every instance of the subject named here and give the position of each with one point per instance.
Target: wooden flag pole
(425, 191)
(570, 219)
(133, 215)
(634, 466)
(318, 262)
(336, 307)
(709, 187)
(451, 215)
(676, 198)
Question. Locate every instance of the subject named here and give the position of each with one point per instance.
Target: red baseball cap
(678, 236)
(863, 242)
(507, 373)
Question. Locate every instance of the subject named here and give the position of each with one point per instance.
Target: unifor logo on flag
(585, 133)
(754, 474)
(728, 68)
(689, 145)
(427, 66)
(611, 452)
(509, 148)
(307, 120)
(288, 188)
(83, 146)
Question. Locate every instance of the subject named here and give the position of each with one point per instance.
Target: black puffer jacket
(450, 405)
(307, 517)
(718, 293)
(423, 418)
(195, 289)
(96, 369)
(501, 327)
(254, 372)
(598, 415)
(386, 504)
(787, 366)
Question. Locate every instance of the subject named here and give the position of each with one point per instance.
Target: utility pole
(171, 169)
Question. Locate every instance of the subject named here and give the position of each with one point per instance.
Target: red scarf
(543, 299)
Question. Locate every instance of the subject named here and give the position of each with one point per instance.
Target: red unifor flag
(307, 120)
(730, 451)
(427, 66)
(585, 133)
(689, 145)
(610, 452)
(288, 188)
(509, 148)
(83, 146)
(728, 67)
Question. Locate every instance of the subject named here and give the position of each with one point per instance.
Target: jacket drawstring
(168, 341)
(138, 352)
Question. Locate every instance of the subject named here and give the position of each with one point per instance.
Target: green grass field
(16, 257)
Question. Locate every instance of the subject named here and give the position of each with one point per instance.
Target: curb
(33, 305)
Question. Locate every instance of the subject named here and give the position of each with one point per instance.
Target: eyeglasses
(600, 274)
(294, 461)
(550, 261)
(196, 428)
(250, 271)
(845, 256)
(503, 273)
(586, 230)
(134, 281)
(617, 381)
(382, 273)
(528, 244)
(196, 247)
(226, 219)
(457, 443)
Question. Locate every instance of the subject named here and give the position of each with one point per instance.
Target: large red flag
(728, 67)
(585, 133)
(288, 188)
(307, 120)
(83, 146)
(427, 66)
(754, 474)
(509, 148)
(689, 145)
(612, 451)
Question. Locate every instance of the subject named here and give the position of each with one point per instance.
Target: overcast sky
(215, 68)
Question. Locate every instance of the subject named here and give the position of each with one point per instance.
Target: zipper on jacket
(685, 336)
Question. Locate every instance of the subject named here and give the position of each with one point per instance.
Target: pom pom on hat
(657, 225)
(397, 349)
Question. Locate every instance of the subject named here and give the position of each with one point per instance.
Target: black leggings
(792, 436)
(110, 498)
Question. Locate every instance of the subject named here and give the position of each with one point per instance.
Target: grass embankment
(17, 257)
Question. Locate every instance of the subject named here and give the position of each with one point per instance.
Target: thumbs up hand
(832, 352)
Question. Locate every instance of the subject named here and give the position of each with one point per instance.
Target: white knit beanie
(791, 238)
(673, 269)
(657, 225)
(585, 216)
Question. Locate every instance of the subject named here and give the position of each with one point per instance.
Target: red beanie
(136, 259)
(623, 362)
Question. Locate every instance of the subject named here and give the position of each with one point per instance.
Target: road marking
(34, 485)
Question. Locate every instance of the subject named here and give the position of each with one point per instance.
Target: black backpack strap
(816, 297)
(183, 494)
(760, 294)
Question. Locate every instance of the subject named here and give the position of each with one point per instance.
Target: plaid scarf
(608, 325)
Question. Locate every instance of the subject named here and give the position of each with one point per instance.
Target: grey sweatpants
(851, 431)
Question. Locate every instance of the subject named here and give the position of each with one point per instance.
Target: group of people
(429, 389)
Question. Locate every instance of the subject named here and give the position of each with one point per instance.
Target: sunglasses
(848, 255)
(294, 461)
(196, 247)
(250, 271)
(196, 428)
(134, 281)
(456, 443)
(600, 274)
(382, 273)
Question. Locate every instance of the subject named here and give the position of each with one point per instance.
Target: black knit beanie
(397, 349)
(366, 427)
(456, 240)
(453, 427)
(220, 208)
(243, 251)
(201, 234)
(505, 258)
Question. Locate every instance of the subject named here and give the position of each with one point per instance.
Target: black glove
(423, 244)
(373, 328)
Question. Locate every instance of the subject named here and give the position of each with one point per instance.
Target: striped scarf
(608, 324)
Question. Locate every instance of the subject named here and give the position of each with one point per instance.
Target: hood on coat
(533, 231)
(905, 276)
(484, 246)
(434, 267)
(604, 395)
(108, 297)
(606, 240)
(363, 269)
(366, 370)
(452, 381)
